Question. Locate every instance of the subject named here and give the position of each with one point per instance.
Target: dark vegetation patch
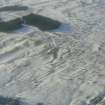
(13, 8)
(15, 101)
(39, 104)
(10, 25)
(8, 101)
(43, 23)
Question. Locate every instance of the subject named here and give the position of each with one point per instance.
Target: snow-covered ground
(55, 68)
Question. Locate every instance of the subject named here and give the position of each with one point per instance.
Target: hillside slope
(55, 68)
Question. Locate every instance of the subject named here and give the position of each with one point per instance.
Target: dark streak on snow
(41, 22)
(13, 8)
(8, 101)
(15, 101)
(95, 100)
(10, 25)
